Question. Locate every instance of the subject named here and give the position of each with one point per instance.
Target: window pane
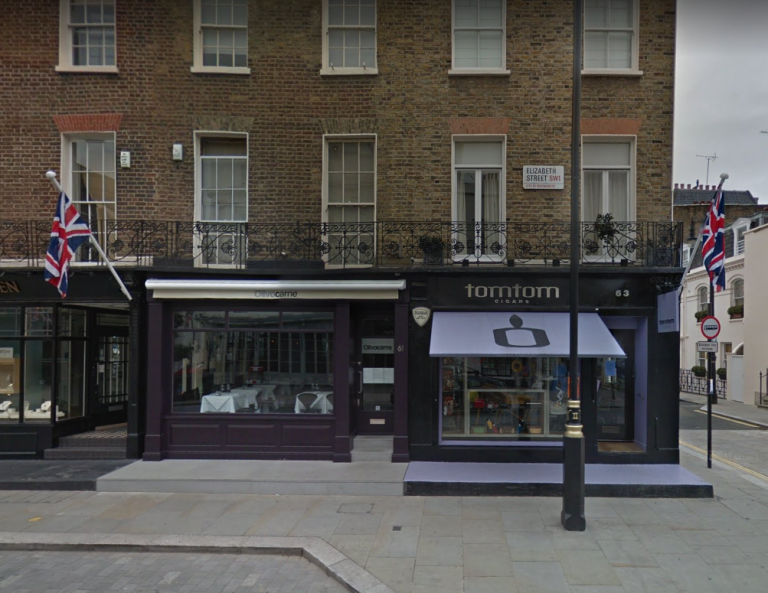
(350, 156)
(621, 14)
(606, 154)
(71, 382)
(367, 58)
(366, 156)
(240, 173)
(38, 380)
(490, 49)
(222, 146)
(223, 14)
(10, 379)
(595, 50)
(596, 14)
(367, 38)
(10, 322)
(351, 14)
(466, 13)
(620, 50)
(72, 323)
(335, 187)
(39, 321)
(351, 192)
(240, 14)
(593, 195)
(465, 50)
(479, 153)
(352, 58)
(366, 188)
(336, 58)
(490, 13)
(224, 173)
(208, 13)
(368, 15)
(335, 15)
(76, 13)
(335, 215)
(618, 195)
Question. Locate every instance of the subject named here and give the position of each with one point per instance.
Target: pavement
(730, 409)
(47, 474)
(437, 544)
(383, 543)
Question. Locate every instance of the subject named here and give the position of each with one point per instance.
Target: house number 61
(400, 348)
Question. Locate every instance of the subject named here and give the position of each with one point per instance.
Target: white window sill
(88, 69)
(349, 72)
(479, 72)
(611, 72)
(218, 70)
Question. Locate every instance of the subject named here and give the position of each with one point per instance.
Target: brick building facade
(230, 111)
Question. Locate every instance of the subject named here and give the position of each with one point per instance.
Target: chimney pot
(676, 185)
(689, 186)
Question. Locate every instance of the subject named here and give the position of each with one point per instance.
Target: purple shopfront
(274, 369)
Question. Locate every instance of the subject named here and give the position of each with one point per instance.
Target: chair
(306, 400)
(329, 399)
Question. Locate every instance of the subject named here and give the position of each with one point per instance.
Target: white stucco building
(743, 339)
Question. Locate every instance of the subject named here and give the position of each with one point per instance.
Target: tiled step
(363, 456)
(91, 443)
(373, 444)
(86, 453)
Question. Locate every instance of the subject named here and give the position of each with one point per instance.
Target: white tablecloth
(229, 402)
(321, 402)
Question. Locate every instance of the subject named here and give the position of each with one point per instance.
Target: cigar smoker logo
(518, 336)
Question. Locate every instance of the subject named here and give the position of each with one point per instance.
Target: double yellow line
(727, 461)
(716, 415)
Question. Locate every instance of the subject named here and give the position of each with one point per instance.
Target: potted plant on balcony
(722, 373)
(699, 371)
(700, 315)
(605, 228)
(736, 312)
(432, 248)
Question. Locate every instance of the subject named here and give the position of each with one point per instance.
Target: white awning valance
(275, 289)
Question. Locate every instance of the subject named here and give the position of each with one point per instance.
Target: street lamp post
(572, 515)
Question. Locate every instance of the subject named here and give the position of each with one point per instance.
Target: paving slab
(45, 474)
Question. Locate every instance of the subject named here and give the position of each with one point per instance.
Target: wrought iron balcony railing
(147, 243)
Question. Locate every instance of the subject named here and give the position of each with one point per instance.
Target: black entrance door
(109, 395)
(373, 389)
(616, 394)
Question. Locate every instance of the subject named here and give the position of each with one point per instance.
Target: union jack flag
(69, 231)
(713, 235)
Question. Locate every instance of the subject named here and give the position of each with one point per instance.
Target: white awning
(275, 289)
(519, 334)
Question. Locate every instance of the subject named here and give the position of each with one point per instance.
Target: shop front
(497, 353)
(64, 365)
(271, 369)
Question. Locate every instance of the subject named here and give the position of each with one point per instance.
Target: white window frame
(631, 207)
(467, 138)
(480, 71)
(67, 140)
(327, 139)
(738, 243)
(634, 70)
(65, 45)
(197, 34)
(198, 201)
(369, 70)
(686, 254)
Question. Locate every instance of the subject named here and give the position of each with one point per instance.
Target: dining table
(230, 401)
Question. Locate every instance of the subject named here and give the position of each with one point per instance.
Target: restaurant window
(498, 398)
(253, 362)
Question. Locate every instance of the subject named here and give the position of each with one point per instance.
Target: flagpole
(51, 175)
(711, 356)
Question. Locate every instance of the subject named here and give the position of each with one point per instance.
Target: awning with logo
(519, 334)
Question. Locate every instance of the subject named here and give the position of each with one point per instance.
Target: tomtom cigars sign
(485, 292)
(543, 177)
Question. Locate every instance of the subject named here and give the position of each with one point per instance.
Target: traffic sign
(707, 346)
(710, 327)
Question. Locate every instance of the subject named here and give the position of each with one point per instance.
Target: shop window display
(503, 398)
(284, 368)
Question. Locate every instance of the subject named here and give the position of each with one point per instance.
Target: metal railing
(691, 383)
(148, 243)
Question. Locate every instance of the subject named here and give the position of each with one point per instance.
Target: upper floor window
(349, 43)
(221, 36)
(738, 244)
(611, 36)
(479, 36)
(703, 294)
(686, 254)
(608, 179)
(89, 177)
(350, 191)
(737, 293)
(222, 197)
(87, 35)
(478, 197)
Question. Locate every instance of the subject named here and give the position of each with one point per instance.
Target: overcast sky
(721, 102)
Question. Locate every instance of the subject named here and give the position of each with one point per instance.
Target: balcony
(382, 244)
